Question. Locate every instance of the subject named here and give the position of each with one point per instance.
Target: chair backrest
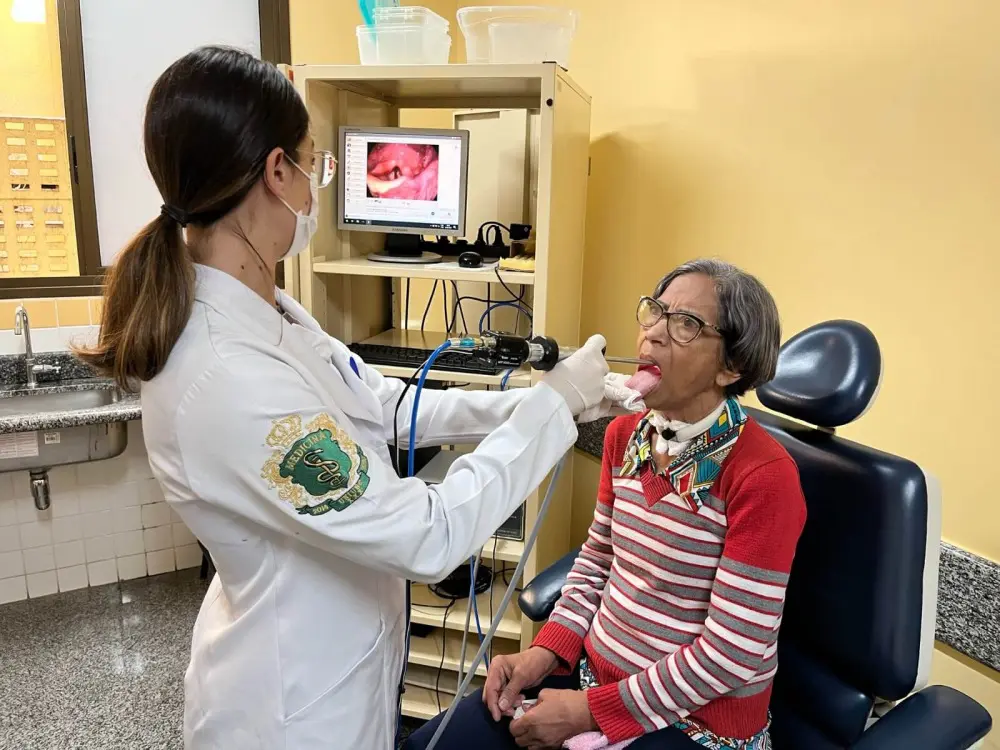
(859, 616)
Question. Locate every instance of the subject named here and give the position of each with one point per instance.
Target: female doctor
(269, 438)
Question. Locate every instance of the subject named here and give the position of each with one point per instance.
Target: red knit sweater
(677, 605)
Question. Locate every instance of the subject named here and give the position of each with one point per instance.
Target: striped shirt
(677, 604)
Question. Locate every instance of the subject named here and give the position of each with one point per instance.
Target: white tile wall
(108, 521)
(48, 339)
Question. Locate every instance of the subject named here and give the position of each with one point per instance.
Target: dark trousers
(471, 726)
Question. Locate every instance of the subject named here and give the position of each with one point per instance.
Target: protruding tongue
(646, 378)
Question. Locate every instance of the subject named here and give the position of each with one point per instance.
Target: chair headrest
(828, 375)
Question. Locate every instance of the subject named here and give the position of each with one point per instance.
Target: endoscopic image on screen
(403, 171)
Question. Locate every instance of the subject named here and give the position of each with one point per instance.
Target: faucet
(21, 326)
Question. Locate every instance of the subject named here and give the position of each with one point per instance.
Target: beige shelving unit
(356, 300)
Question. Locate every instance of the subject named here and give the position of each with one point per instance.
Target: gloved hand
(618, 399)
(579, 378)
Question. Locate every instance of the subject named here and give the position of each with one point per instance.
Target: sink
(39, 448)
(33, 402)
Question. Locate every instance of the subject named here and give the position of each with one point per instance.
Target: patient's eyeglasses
(682, 327)
(324, 167)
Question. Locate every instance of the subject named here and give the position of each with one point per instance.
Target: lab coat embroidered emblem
(316, 468)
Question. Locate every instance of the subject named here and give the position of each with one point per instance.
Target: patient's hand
(557, 716)
(509, 675)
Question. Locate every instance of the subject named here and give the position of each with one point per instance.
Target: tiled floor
(98, 668)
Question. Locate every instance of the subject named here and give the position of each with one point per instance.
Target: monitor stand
(405, 248)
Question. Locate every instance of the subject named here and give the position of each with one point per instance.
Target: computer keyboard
(401, 356)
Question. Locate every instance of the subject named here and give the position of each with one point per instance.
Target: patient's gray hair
(747, 316)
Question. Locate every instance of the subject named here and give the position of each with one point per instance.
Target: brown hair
(211, 121)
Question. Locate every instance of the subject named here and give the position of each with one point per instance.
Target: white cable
(468, 617)
(508, 594)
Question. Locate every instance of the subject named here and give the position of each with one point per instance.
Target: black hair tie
(180, 216)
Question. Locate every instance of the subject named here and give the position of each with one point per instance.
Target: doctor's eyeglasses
(324, 166)
(682, 327)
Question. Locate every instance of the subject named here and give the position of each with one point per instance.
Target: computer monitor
(403, 180)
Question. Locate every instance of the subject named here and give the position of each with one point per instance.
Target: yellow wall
(846, 152)
(30, 67)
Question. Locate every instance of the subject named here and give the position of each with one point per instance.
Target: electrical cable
(444, 642)
(481, 237)
(412, 442)
(430, 299)
(458, 304)
(508, 594)
(406, 311)
(503, 381)
(473, 570)
(495, 305)
(493, 579)
(395, 419)
(444, 308)
(424, 370)
(516, 297)
(475, 610)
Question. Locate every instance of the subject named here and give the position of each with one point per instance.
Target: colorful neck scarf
(693, 471)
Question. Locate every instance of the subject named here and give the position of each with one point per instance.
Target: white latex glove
(618, 399)
(579, 378)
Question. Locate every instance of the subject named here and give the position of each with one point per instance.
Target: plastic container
(517, 34)
(413, 15)
(403, 44)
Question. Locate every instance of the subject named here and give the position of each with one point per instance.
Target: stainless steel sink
(36, 447)
(34, 402)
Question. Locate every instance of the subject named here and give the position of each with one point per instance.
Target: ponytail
(147, 302)
(211, 120)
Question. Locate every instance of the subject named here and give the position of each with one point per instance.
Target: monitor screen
(403, 180)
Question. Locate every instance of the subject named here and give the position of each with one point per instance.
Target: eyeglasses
(682, 327)
(324, 167)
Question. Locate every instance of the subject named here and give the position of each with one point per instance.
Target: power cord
(423, 320)
(495, 305)
(444, 646)
(406, 310)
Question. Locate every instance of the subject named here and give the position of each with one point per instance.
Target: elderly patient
(665, 635)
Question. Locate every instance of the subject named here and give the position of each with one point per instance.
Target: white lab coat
(273, 451)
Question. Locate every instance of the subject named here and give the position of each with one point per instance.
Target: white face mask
(305, 224)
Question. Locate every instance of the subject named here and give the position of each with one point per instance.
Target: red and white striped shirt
(678, 606)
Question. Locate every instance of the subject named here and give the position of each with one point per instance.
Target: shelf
(428, 341)
(451, 86)
(427, 678)
(433, 615)
(507, 550)
(434, 271)
(426, 651)
(519, 379)
(421, 703)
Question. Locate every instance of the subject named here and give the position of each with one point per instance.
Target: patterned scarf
(692, 472)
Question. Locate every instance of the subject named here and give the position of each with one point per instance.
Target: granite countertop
(73, 376)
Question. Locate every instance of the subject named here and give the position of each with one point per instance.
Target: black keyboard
(401, 356)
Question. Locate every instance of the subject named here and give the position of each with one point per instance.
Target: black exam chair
(858, 627)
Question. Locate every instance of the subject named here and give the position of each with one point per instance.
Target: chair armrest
(936, 718)
(539, 597)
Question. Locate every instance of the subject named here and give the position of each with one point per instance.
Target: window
(76, 74)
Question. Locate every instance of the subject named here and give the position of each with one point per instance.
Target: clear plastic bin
(410, 16)
(517, 34)
(403, 44)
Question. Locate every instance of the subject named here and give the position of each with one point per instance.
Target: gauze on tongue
(644, 380)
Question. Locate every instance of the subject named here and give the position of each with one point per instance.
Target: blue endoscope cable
(411, 471)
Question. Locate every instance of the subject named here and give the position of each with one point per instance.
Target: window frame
(275, 46)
